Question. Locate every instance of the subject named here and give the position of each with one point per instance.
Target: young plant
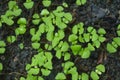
(112, 47)
(22, 26)
(60, 76)
(1, 67)
(28, 4)
(11, 39)
(36, 19)
(46, 3)
(2, 47)
(80, 2)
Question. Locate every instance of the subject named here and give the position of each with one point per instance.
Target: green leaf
(11, 39)
(91, 47)
(45, 72)
(48, 65)
(2, 50)
(89, 29)
(28, 66)
(68, 16)
(64, 47)
(49, 36)
(83, 1)
(110, 48)
(75, 49)
(117, 40)
(81, 39)
(1, 67)
(11, 4)
(17, 12)
(67, 66)
(2, 43)
(48, 55)
(86, 53)
(94, 37)
(118, 33)
(46, 3)
(101, 38)
(72, 38)
(75, 29)
(40, 78)
(42, 28)
(94, 75)
(60, 76)
(44, 12)
(34, 71)
(61, 34)
(85, 76)
(58, 54)
(22, 21)
(101, 31)
(35, 45)
(114, 44)
(100, 67)
(22, 78)
(96, 43)
(66, 56)
(81, 29)
(55, 41)
(32, 31)
(86, 37)
(28, 5)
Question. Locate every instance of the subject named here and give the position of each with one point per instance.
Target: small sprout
(65, 4)
(64, 47)
(96, 43)
(117, 40)
(44, 12)
(68, 16)
(101, 31)
(34, 71)
(32, 31)
(49, 36)
(110, 48)
(80, 2)
(75, 29)
(20, 30)
(89, 29)
(60, 76)
(45, 72)
(46, 3)
(2, 45)
(22, 21)
(11, 39)
(94, 75)
(72, 38)
(100, 68)
(66, 56)
(7, 20)
(11, 4)
(94, 37)
(28, 4)
(86, 37)
(101, 38)
(58, 54)
(48, 65)
(86, 53)
(36, 19)
(85, 76)
(22, 78)
(1, 67)
(90, 47)
(21, 45)
(75, 49)
(40, 78)
(35, 45)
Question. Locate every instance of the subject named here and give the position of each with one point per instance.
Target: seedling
(11, 39)
(36, 19)
(80, 2)
(28, 4)
(22, 26)
(2, 45)
(46, 3)
(1, 67)
(60, 76)
(21, 45)
(94, 75)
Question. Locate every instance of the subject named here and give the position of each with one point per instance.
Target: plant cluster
(112, 47)
(90, 37)
(52, 24)
(13, 11)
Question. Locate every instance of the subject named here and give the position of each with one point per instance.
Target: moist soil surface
(96, 13)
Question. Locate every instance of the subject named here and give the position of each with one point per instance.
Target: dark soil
(97, 13)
